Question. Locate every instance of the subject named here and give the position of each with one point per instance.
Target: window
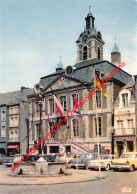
(3, 131)
(130, 124)
(11, 134)
(98, 53)
(14, 135)
(63, 102)
(73, 100)
(125, 100)
(37, 109)
(37, 128)
(11, 121)
(16, 110)
(51, 105)
(76, 127)
(11, 110)
(3, 115)
(85, 53)
(16, 121)
(99, 126)
(120, 124)
(98, 99)
(51, 124)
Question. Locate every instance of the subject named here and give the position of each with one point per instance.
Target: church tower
(90, 42)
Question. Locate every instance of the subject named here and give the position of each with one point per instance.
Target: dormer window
(125, 100)
(85, 53)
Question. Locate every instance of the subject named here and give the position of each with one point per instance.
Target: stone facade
(124, 123)
(79, 133)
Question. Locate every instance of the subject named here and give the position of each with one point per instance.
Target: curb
(68, 182)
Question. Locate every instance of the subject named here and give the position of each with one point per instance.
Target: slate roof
(14, 97)
(131, 87)
(84, 72)
(22, 96)
(5, 98)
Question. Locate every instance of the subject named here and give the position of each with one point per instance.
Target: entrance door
(120, 148)
(63, 133)
(130, 146)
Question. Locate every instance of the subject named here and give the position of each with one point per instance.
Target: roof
(22, 96)
(84, 72)
(131, 87)
(5, 98)
(131, 84)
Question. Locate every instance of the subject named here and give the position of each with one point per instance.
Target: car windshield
(106, 157)
(127, 156)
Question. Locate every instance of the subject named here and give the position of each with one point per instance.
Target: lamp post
(40, 127)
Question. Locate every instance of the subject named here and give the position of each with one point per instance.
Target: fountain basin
(41, 168)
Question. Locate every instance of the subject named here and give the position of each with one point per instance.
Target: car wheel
(107, 167)
(132, 168)
(86, 167)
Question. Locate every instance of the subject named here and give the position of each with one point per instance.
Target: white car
(105, 161)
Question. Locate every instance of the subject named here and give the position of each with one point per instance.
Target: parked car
(126, 161)
(8, 162)
(105, 161)
(2, 158)
(68, 157)
(82, 161)
(51, 157)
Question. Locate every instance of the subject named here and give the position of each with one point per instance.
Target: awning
(13, 147)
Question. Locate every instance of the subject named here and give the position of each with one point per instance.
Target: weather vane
(90, 8)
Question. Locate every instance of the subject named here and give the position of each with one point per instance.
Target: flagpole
(97, 127)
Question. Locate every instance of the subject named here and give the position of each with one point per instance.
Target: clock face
(84, 39)
(69, 70)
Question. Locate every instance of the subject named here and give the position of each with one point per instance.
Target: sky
(35, 33)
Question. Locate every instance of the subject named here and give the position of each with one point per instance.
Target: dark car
(51, 158)
(82, 161)
(8, 162)
(2, 158)
(48, 158)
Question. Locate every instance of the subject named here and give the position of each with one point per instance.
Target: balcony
(125, 131)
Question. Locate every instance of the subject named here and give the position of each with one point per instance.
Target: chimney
(23, 88)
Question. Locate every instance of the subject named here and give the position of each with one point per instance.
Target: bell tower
(90, 42)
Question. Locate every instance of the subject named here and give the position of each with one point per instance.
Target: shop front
(13, 148)
(124, 144)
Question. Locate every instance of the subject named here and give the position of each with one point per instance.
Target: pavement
(77, 176)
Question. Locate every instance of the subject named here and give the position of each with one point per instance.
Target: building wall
(24, 125)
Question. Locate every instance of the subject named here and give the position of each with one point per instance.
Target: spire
(59, 65)
(115, 48)
(90, 8)
(115, 55)
(90, 20)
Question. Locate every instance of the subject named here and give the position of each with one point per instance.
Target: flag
(99, 84)
(58, 105)
(77, 106)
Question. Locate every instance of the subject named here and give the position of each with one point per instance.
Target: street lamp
(40, 131)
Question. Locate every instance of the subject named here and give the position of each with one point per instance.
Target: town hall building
(79, 133)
